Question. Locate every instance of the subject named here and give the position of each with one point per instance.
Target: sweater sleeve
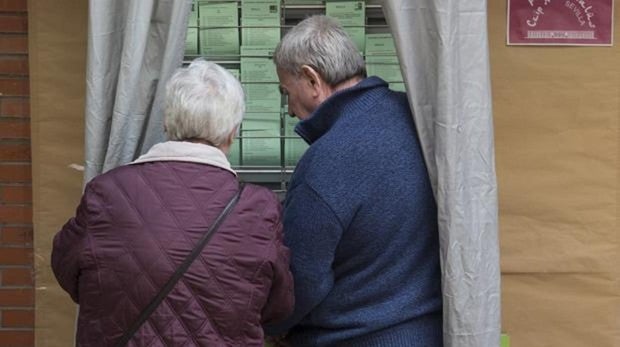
(312, 232)
(281, 300)
(68, 247)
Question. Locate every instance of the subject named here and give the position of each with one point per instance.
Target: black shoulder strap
(146, 313)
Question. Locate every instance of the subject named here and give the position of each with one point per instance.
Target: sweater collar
(328, 112)
(187, 152)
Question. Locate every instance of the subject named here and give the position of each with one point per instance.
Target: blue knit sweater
(361, 222)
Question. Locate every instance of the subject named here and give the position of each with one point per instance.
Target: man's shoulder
(393, 101)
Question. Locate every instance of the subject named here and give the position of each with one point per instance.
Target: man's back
(360, 219)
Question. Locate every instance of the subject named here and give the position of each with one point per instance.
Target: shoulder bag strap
(146, 313)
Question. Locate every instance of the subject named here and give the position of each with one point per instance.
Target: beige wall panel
(557, 135)
(567, 310)
(57, 39)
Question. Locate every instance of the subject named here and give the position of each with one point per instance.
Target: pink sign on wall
(560, 22)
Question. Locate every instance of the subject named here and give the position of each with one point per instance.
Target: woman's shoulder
(257, 193)
(262, 201)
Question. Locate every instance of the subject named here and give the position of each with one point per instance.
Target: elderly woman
(137, 223)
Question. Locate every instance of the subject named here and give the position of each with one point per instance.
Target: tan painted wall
(57, 63)
(557, 136)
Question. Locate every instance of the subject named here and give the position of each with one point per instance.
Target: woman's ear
(233, 134)
(225, 147)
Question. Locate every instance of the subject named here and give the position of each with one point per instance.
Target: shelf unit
(276, 177)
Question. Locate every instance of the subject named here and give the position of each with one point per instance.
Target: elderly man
(360, 216)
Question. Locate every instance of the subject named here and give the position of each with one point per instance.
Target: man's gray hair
(203, 102)
(320, 42)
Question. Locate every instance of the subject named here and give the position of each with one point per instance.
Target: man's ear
(313, 78)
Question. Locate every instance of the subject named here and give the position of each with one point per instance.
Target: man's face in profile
(300, 94)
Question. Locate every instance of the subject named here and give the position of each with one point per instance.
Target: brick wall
(16, 261)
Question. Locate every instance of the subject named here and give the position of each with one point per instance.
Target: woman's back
(137, 223)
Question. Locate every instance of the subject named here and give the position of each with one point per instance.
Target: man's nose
(290, 112)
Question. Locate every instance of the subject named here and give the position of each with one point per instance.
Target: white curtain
(443, 50)
(133, 47)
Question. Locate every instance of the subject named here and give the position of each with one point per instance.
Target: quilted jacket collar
(187, 152)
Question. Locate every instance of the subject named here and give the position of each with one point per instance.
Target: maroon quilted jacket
(136, 223)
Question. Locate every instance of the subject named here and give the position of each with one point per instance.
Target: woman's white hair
(321, 43)
(203, 102)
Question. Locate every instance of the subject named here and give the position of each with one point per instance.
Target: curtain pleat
(133, 47)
